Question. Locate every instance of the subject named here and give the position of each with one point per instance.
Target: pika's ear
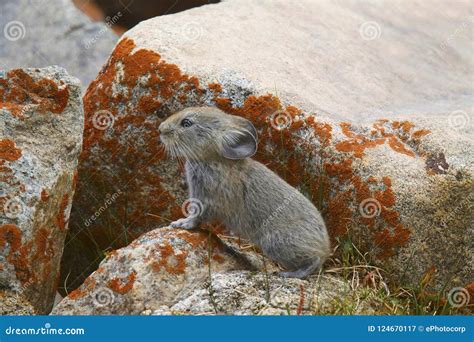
(240, 142)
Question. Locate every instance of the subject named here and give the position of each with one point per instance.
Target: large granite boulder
(177, 272)
(38, 33)
(41, 124)
(156, 269)
(371, 123)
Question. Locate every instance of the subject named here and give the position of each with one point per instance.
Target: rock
(167, 272)
(38, 33)
(247, 293)
(368, 129)
(40, 139)
(155, 270)
(14, 303)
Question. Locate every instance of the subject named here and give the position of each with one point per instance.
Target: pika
(247, 197)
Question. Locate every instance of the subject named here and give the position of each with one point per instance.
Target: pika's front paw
(185, 223)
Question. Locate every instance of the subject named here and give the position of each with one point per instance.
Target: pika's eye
(186, 123)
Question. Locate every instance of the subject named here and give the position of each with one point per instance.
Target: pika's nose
(161, 128)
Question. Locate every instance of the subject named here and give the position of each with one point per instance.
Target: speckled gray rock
(365, 126)
(157, 269)
(41, 124)
(350, 59)
(247, 293)
(13, 303)
(38, 33)
(173, 272)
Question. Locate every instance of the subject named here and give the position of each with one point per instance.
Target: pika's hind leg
(304, 271)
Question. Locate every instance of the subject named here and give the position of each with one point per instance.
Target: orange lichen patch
(338, 214)
(88, 285)
(60, 219)
(385, 197)
(44, 249)
(20, 90)
(388, 242)
(362, 189)
(420, 133)
(11, 234)
(399, 147)
(470, 290)
(44, 195)
(173, 262)
(343, 170)
(219, 258)
(122, 287)
(8, 151)
(193, 238)
(148, 104)
(406, 126)
(215, 87)
(18, 254)
(358, 143)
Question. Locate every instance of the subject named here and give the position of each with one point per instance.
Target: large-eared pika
(243, 194)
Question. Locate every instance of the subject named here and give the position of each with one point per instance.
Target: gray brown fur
(243, 194)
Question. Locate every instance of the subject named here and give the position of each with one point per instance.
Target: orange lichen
(18, 254)
(420, 133)
(215, 87)
(173, 262)
(338, 214)
(11, 234)
(387, 242)
(43, 247)
(399, 147)
(8, 151)
(119, 286)
(219, 258)
(358, 143)
(44, 195)
(88, 285)
(60, 219)
(406, 126)
(470, 290)
(194, 238)
(20, 90)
